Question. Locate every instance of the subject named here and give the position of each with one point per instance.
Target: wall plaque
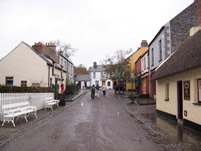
(186, 90)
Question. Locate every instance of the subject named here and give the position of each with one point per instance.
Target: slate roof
(186, 57)
(85, 77)
(45, 57)
(99, 68)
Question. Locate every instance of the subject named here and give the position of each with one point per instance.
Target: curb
(74, 98)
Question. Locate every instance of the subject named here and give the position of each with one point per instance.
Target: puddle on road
(173, 129)
(150, 116)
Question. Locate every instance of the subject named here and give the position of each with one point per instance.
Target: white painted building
(98, 76)
(67, 66)
(159, 50)
(83, 81)
(145, 63)
(26, 66)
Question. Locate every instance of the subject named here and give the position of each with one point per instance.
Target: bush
(70, 89)
(15, 89)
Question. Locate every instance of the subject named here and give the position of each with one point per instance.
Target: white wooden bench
(50, 102)
(22, 109)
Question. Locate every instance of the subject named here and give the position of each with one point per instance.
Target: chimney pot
(144, 43)
(95, 65)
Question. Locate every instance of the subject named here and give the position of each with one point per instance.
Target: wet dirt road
(89, 125)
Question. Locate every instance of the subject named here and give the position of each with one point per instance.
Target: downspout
(48, 76)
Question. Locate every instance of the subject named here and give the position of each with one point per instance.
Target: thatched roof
(186, 57)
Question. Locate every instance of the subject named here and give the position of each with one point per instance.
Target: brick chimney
(51, 45)
(144, 43)
(95, 65)
(38, 46)
(195, 29)
(198, 9)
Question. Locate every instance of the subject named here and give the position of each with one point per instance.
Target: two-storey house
(99, 77)
(169, 37)
(133, 58)
(138, 75)
(27, 66)
(178, 83)
(67, 66)
(145, 73)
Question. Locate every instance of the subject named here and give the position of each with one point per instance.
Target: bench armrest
(34, 108)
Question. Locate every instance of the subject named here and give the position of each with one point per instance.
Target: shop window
(9, 81)
(108, 83)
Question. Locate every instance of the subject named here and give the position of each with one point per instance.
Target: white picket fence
(36, 99)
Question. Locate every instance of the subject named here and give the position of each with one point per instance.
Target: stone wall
(181, 25)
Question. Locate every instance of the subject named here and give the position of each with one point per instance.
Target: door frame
(179, 100)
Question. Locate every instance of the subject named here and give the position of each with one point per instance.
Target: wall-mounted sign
(186, 90)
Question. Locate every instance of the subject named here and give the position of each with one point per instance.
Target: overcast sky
(95, 27)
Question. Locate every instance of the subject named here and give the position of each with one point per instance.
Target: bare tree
(117, 67)
(81, 70)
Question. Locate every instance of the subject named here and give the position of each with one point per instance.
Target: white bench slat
(10, 111)
(50, 102)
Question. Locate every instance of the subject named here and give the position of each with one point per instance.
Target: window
(167, 92)
(53, 70)
(61, 61)
(144, 63)
(160, 50)
(94, 74)
(23, 83)
(199, 90)
(9, 81)
(108, 83)
(65, 65)
(152, 55)
(102, 75)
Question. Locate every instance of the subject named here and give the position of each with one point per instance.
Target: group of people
(95, 91)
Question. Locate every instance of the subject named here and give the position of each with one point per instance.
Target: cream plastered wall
(23, 63)
(193, 111)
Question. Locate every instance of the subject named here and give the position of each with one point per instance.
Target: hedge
(70, 89)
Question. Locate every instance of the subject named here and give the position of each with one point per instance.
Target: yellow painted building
(133, 58)
(178, 84)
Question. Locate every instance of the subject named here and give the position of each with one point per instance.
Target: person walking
(104, 90)
(93, 90)
(97, 90)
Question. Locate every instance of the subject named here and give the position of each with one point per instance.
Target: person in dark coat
(93, 90)
(97, 90)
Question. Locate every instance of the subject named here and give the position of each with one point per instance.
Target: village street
(101, 124)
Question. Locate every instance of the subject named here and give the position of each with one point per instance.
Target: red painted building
(138, 75)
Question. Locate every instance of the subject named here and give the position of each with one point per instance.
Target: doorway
(179, 100)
